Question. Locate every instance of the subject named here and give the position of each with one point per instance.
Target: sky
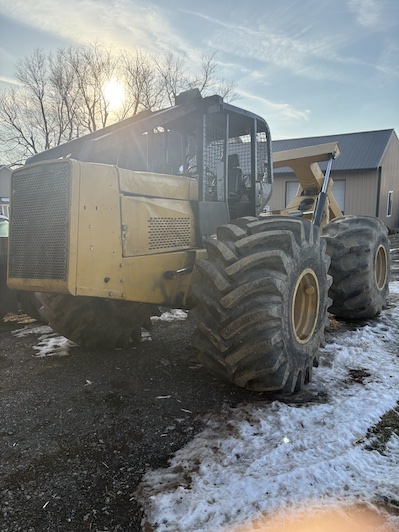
(273, 466)
(309, 67)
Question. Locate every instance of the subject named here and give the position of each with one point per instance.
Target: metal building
(366, 175)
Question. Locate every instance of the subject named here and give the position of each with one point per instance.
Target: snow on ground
(279, 459)
(31, 329)
(273, 458)
(394, 288)
(171, 315)
(50, 343)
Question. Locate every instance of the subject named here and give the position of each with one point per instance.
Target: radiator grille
(39, 224)
(168, 233)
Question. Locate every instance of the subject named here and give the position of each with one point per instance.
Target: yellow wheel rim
(305, 306)
(381, 267)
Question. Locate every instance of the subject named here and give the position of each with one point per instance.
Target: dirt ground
(77, 432)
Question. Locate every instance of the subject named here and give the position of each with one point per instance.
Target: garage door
(339, 189)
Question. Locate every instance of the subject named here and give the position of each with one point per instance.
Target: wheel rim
(381, 267)
(305, 306)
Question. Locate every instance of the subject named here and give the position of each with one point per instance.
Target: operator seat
(239, 203)
(234, 175)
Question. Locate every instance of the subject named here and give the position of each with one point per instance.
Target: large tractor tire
(30, 305)
(262, 303)
(360, 266)
(95, 322)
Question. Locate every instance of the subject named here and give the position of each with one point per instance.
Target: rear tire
(262, 303)
(360, 266)
(30, 305)
(94, 322)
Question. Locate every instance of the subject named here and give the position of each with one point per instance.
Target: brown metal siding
(390, 181)
(277, 201)
(360, 194)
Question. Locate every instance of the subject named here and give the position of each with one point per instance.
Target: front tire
(360, 266)
(262, 303)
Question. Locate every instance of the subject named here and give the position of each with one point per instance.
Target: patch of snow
(53, 345)
(270, 458)
(394, 287)
(146, 336)
(171, 315)
(49, 343)
(28, 329)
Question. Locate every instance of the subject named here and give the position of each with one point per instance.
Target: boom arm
(314, 195)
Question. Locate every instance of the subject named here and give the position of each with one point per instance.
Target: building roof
(359, 151)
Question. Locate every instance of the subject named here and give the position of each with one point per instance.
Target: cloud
(302, 49)
(368, 13)
(120, 23)
(388, 63)
(9, 81)
(277, 34)
(296, 40)
(269, 108)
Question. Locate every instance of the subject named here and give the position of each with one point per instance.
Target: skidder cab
(165, 208)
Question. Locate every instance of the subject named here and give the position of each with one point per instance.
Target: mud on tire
(360, 266)
(95, 322)
(262, 303)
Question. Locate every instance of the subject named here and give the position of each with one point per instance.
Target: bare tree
(93, 66)
(33, 73)
(65, 96)
(28, 123)
(62, 96)
(206, 76)
(143, 88)
(17, 133)
(208, 81)
(173, 77)
(176, 77)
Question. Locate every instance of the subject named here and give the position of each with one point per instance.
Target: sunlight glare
(114, 93)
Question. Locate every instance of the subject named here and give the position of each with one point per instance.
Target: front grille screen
(39, 224)
(165, 233)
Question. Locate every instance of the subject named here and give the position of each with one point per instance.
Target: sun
(114, 94)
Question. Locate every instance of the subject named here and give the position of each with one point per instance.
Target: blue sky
(310, 67)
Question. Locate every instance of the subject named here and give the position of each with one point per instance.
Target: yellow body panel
(116, 256)
(143, 279)
(158, 185)
(155, 225)
(120, 244)
(98, 241)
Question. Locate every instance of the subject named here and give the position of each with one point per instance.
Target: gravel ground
(77, 432)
